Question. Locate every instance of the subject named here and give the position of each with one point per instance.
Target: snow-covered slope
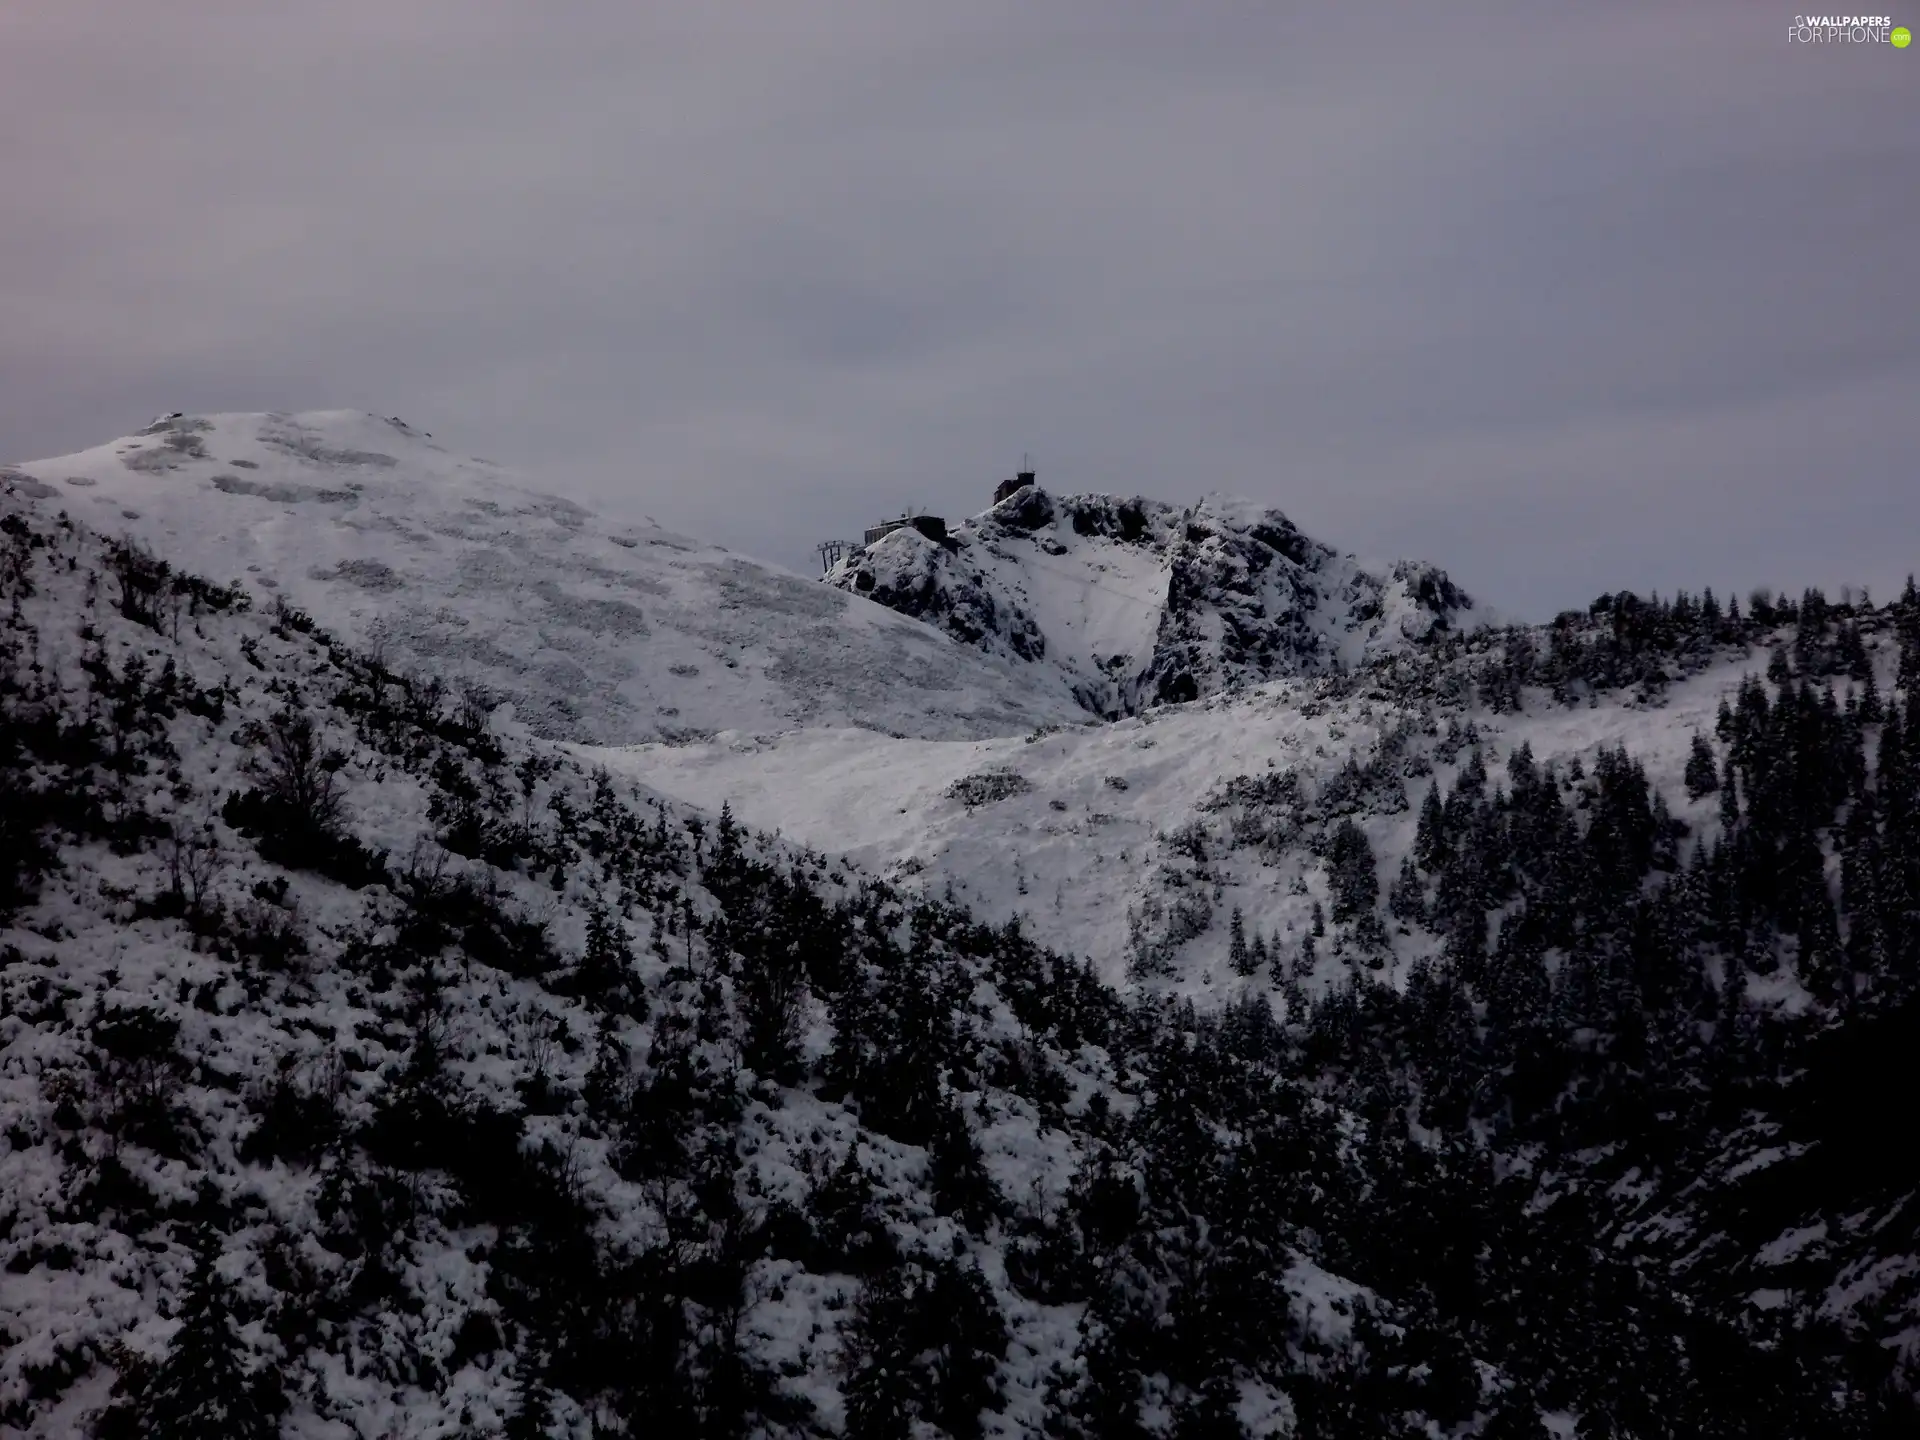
(1131, 602)
(364, 1072)
(593, 630)
(369, 1069)
(1108, 835)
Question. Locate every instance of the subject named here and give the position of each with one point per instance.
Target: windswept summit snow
(1132, 602)
(594, 630)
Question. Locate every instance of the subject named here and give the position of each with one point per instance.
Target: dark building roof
(931, 526)
(1013, 486)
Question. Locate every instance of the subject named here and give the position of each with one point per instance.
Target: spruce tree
(532, 1411)
(843, 1214)
(1308, 957)
(1354, 880)
(879, 1383)
(957, 1171)
(1850, 653)
(1702, 776)
(1239, 956)
(1210, 1414)
(1729, 799)
(604, 976)
(961, 1343)
(1473, 774)
(1430, 836)
(1908, 629)
(1406, 900)
(201, 1390)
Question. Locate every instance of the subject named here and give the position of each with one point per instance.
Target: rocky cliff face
(1132, 602)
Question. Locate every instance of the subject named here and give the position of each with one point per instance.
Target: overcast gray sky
(1564, 298)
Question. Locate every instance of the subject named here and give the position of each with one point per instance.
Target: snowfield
(1107, 813)
(592, 629)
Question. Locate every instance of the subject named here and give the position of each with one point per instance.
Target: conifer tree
(844, 1215)
(201, 1390)
(961, 1343)
(1473, 775)
(1850, 652)
(1239, 955)
(604, 976)
(772, 991)
(1406, 900)
(1209, 1414)
(1355, 880)
(957, 1170)
(1106, 1404)
(1307, 958)
(1871, 710)
(879, 1380)
(1729, 798)
(532, 1412)
(1430, 837)
(1702, 777)
(725, 869)
(1907, 628)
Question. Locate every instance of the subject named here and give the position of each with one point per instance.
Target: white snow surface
(1101, 836)
(592, 629)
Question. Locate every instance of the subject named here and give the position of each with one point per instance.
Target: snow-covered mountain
(592, 629)
(1390, 831)
(369, 1068)
(366, 1072)
(1132, 602)
(1483, 1033)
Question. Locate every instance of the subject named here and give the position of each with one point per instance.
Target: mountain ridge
(592, 629)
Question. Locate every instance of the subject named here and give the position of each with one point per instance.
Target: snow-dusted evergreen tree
(202, 1388)
(1239, 954)
(1703, 770)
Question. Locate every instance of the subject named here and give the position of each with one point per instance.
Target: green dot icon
(1901, 37)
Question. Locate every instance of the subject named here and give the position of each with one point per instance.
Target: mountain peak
(593, 629)
(1131, 602)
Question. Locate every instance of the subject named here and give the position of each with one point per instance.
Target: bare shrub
(194, 862)
(297, 773)
(149, 594)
